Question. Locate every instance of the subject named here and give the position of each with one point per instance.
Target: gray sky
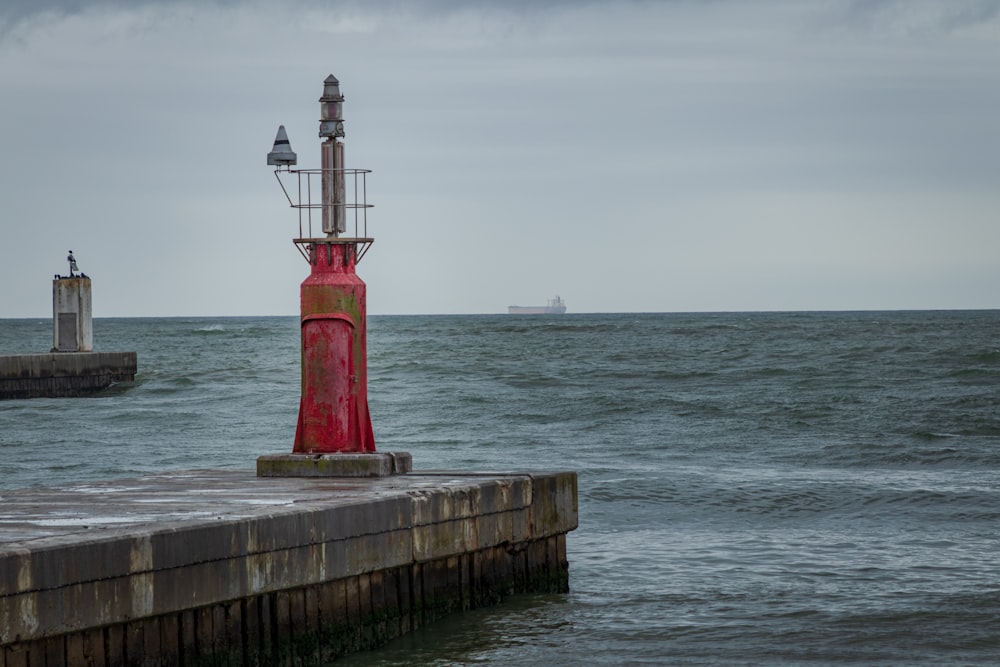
(629, 156)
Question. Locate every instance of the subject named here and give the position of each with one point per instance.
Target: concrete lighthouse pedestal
(341, 464)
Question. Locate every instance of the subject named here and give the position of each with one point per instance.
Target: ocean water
(755, 488)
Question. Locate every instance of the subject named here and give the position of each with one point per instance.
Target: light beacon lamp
(334, 434)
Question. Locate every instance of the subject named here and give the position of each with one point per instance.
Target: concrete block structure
(64, 374)
(71, 368)
(72, 315)
(224, 567)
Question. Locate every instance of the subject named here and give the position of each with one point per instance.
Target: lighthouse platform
(225, 567)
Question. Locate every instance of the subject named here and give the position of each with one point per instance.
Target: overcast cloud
(629, 156)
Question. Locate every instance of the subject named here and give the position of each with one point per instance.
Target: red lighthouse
(333, 409)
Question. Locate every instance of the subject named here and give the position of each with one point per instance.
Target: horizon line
(553, 316)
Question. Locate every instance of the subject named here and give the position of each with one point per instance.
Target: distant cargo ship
(555, 306)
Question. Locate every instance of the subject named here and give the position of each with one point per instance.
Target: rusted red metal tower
(333, 410)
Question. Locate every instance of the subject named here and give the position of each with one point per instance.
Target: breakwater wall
(63, 374)
(226, 568)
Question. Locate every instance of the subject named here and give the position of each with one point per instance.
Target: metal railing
(305, 195)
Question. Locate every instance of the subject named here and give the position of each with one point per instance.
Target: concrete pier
(228, 568)
(62, 374)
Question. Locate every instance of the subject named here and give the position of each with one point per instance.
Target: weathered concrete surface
(340, 464)
(72, 315)
(63, 374)
(208, 567)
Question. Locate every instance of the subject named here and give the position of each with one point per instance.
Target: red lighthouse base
(333, 412)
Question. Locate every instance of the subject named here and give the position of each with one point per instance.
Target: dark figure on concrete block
(72, 264)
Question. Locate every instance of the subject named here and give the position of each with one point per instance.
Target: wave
(707, 496)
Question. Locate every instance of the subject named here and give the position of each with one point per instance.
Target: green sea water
(755, 488)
